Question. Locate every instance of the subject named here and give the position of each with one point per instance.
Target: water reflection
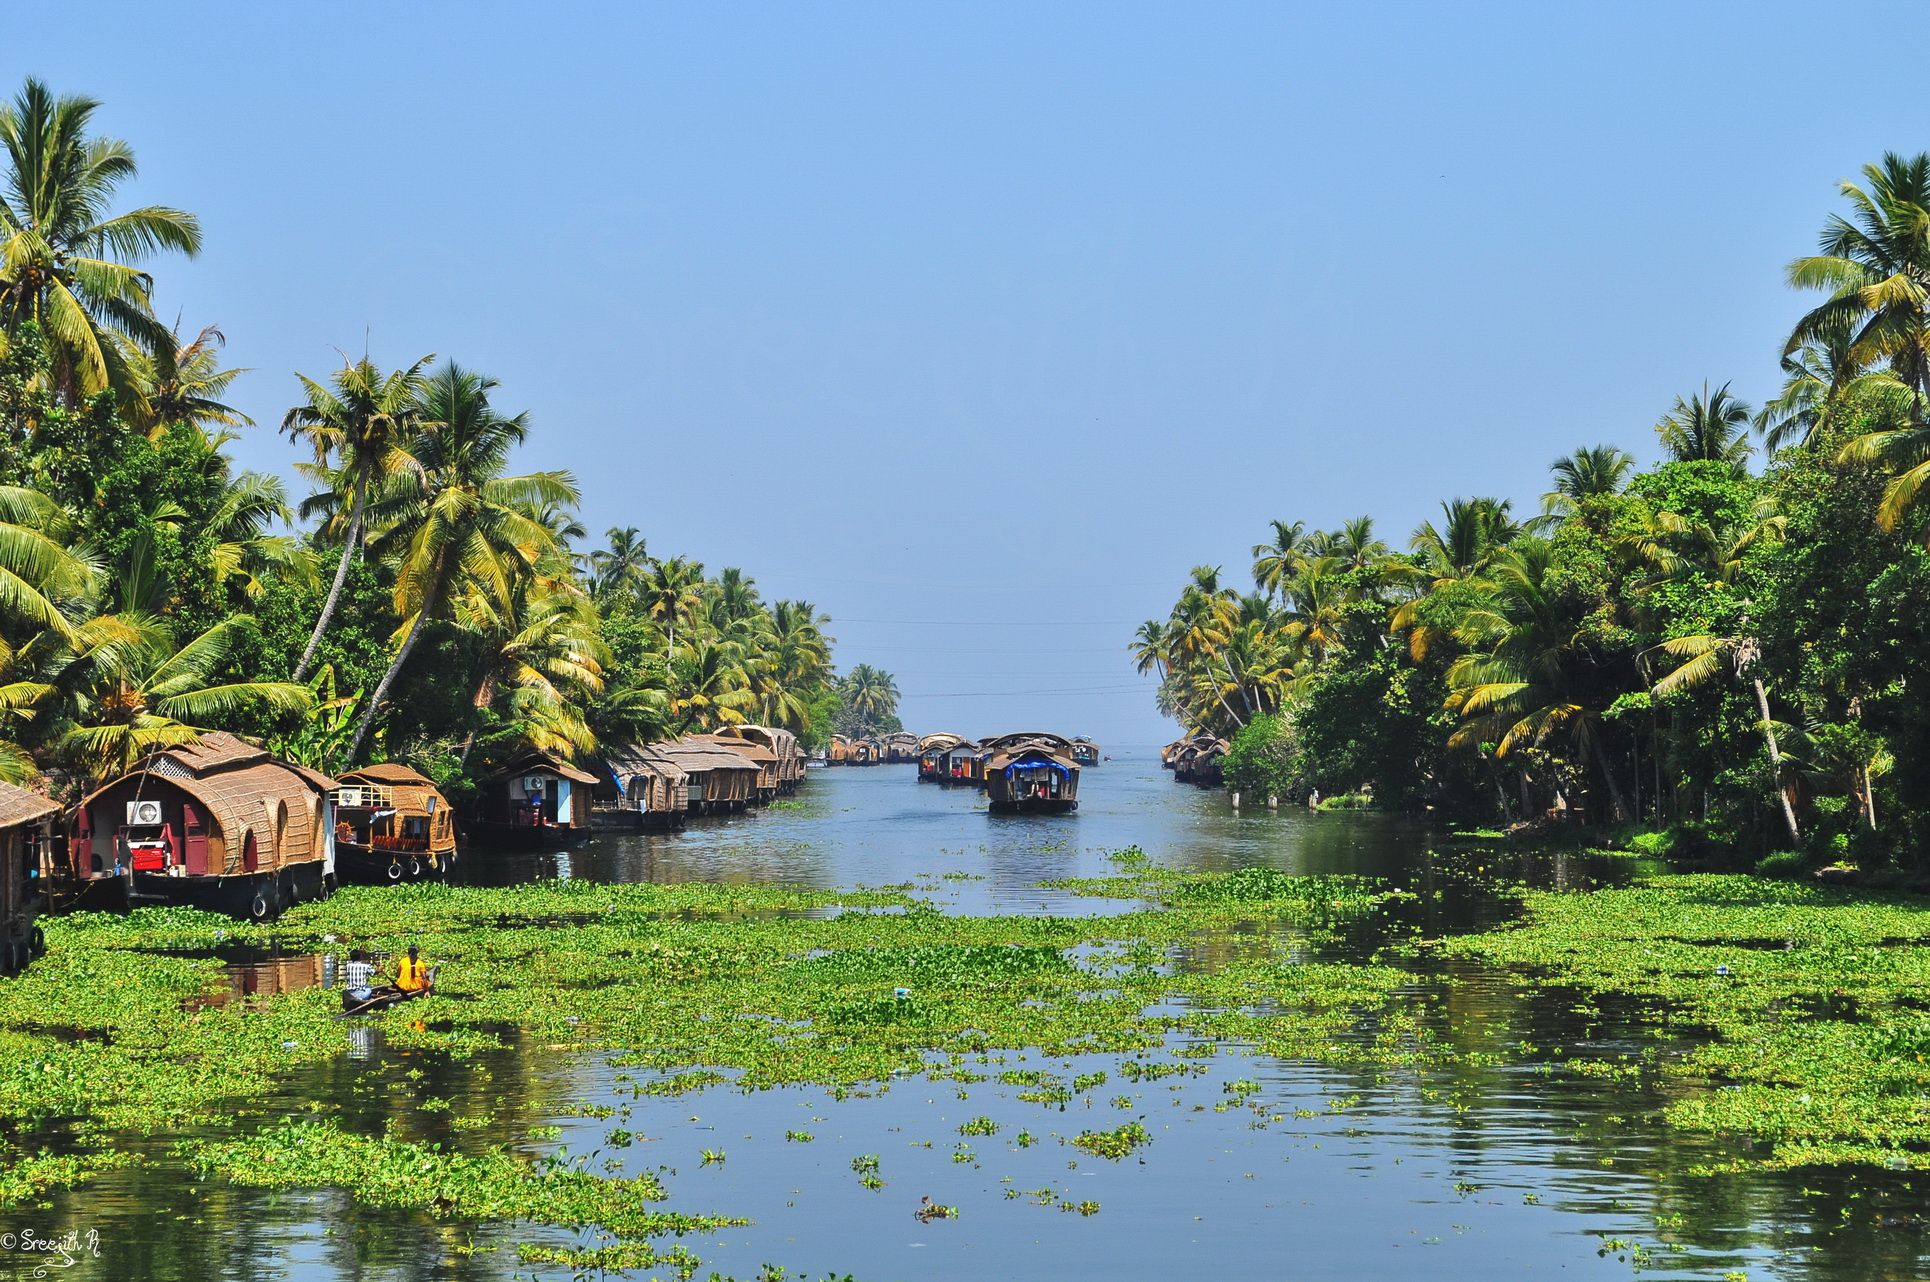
(1474, 1170)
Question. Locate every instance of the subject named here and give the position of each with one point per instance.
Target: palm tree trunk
(1776, 762)
(341, 576)
(485, 695)
(1618, 805)
(388, 678)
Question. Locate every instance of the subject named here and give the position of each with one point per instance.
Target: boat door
(194, 839)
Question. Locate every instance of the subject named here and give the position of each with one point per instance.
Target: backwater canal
(1256, 1168)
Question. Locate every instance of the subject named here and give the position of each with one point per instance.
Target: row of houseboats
(1025, 772)
(1198, 759)
(223, 824)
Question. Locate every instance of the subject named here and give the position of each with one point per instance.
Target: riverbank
(1748, 1026)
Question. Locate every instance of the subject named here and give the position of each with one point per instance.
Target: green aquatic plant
(1121, 1141)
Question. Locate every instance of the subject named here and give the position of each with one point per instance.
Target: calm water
(1463, 1173)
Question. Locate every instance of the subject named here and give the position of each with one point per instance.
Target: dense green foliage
(430, 606)
(1737, 657)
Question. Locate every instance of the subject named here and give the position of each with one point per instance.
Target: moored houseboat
(865, 752)
(392, 824)
(1201, 762)
(839, 753)
(219, 824)
(719, 781)
(764, 786)
(782, 743)
(1085, 751)
(26, 849)
(898, 747)
(1032, 778)
(536, 802)
(640, 787)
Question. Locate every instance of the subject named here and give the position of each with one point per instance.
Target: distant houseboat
(1085, 752)
(1032, 778)
(218, 824)
(932, 752)
(1201, 762)
(392, 824)
(839, 753)
(641, 788)
(899, 746)
(537, 802)
(957, 765)
(26, 837)
(865, 752)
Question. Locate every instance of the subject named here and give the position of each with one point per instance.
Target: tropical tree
(1707, 425)
(1587, 473)
(1704, 657)
(453, 521)
(67, 262)
(1875, 266)
(1517, 685)
(137, 692)
(671, 593)
(184, 382)
(1280, 558)
(622, 569)
(362, 427)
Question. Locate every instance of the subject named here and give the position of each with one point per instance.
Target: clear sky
(978, 324)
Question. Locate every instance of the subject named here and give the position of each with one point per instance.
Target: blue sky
(979, 324)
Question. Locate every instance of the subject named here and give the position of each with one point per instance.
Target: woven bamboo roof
(217, 750)
(643, 759)
(697, 757)
(387, 772)
(750, 749)
(539, 762)
(18, 806)
(1020, 752)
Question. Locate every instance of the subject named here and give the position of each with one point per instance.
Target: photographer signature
(62, 1252)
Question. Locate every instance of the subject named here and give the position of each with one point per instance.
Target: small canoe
(383, 996)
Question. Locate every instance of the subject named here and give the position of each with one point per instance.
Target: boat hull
(259, 896)
(1036, 806)
(363, 866)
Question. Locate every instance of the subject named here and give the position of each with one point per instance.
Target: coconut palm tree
(361, 427)
(183, 383)
(1587, 473)
(1818, 378)
(711, 686)
(135, 692)
(540, 643)
(39, 572)
(1703, 657)
(1278, 560)
(1151, 648)
(620, 571)
(1875, 266)
(66, 261)
(672, 592)
(871, 694)
(1515, 686)
(453, 521)
(1711, 426)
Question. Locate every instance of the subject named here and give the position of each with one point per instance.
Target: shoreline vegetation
(1710, 661)
(422, 604)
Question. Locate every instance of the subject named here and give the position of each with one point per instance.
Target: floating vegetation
(1120, 1141)
(1799, 1001)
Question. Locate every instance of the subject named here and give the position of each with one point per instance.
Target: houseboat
(1201, 762)
(720, 781)
(218, 824)
(958, 765)
(26, 849)
(1085, 752)
(898, 747)
(865, 752)
(392, 824)
(932, 751)
(639, 787)
(839, 753)
(782, 743)
(537, 802)
(764, 787)
(1032, 778)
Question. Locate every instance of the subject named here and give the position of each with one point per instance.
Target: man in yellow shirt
(412, 976)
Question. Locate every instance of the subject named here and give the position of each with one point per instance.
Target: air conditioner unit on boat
(534, 783)
(143, 814)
